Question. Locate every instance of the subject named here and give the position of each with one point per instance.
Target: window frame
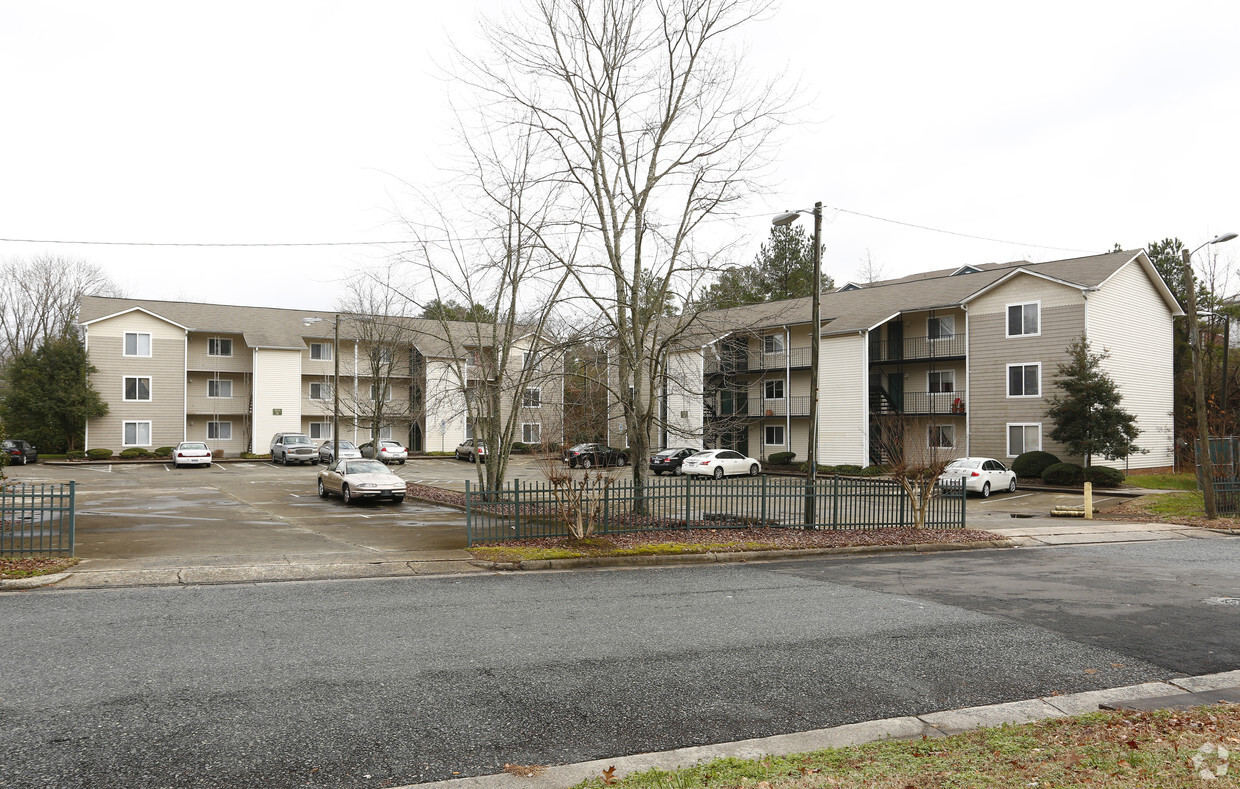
(768, 386)
(1023, 425)
(951, 382)
(537, 439)
(323, 386)
(941, 431)
(217, 424)
(218, 342)
(531, 361)
(948, 321)
(782, 434)
(1023, 366)
(218, 388)
(778, 341)
(137, 354)
(1007, 319)
(150, 430)
(325, 431)
(528, 402)
(387, 390)
(125, 389)
(324, 350)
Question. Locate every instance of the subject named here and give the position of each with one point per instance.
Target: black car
(19, 452)
(587, 455)
(669, 460)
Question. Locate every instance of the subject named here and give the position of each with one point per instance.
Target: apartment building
(967, 355)
(234, 376)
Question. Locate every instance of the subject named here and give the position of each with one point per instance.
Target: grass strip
(12, 567)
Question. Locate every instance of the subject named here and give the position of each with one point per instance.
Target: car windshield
(296, 440)
(193, 445)
(390, 444)
(365, 467)
(965, 463)
(667, 453)
(347, 445)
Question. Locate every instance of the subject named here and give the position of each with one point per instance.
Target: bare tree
(39, 298)
(870, 270)
(916, 451)
(651, 128)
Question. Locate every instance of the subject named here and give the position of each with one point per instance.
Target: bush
(554, 446)
(1063, 474)
(252, 456)
(74, 454)
(1032, 464)
(163, 452)
(133, 453)
(873, 471)
(98, 454)
(781, 458)
(848, 468)
(1104, 476)
(520, 448)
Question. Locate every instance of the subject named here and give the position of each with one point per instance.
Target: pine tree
(48, 397)
(1087, 416)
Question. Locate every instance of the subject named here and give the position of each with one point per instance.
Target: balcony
(918, 349)
(756, 361)
(917, 403)
(763, 407)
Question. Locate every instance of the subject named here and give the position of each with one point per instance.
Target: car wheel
(398, 499)
(586, 463)
(658, 473)
(1012, 485)
(719, 472)
(402, 462)
(322, 490)
(753, 470)
(346, 494)
(284, 460)
(175, 464)
(985, 490)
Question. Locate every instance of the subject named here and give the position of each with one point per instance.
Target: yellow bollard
(1089, 501)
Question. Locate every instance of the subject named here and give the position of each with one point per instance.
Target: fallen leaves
(524, 770)
(609, 776)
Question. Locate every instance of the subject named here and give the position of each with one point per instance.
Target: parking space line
(1021, 496)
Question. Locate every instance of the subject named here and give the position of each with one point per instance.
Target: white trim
(136, 309)
(538, 425)
(150, 430)
(1007, 437)
(330, 352)
(217, 436)
(218, 340)
(320, 398)
(1007, 319)
(950, 427)
(968, 382)
(783, 438)
(325, 430)
(783, 387)
(941, 373)
(217, 395)
(125, 386)
(1143, 260)
(1007, 380)
(150, 345)
(537, 398)
(1017, 271)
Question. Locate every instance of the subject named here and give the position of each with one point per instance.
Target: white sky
(1065, 125)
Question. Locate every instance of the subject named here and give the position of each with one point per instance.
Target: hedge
(1063, 474)
(98, 454)
(1104, 476)
(781, 458)
(134, 452)
(163, 452)
(1031, 464)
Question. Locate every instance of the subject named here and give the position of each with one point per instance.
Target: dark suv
(587, 455)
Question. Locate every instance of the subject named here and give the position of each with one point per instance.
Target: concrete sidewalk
(1170, 693)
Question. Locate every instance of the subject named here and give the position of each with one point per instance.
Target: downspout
(86, 347)
(373, 383)
(865, 396)
(968, 384)
(185, 390)
(787, 394)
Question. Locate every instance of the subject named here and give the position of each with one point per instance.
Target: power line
(954, 233)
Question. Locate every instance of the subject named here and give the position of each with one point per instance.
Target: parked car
(289, 448)
(191, 453)
(472, 449)
(20, 452)
(347, 450)
(587, 455)
(388, 451)
(980, 475)
(360, 478)
(668, 461)
(719, 463)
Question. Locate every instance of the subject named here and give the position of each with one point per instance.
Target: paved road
(396, 681)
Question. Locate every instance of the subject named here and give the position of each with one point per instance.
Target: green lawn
(1163, 481)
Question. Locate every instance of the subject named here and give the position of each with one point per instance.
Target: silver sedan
(360, 479)
(347, 450)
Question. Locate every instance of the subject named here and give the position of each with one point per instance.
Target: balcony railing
(917, 403)
(757, 361)
(763, 407)
(918, 349)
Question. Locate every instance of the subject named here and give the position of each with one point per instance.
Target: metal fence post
(469, 520)
(516, 506)
(72, 517)
(764, 524)
(835, 501)
(688, 501)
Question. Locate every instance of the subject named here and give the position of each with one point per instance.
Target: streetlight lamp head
(310, 321)
(785, 219)
(1223, 238)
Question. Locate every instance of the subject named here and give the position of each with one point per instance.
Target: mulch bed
(28, 566)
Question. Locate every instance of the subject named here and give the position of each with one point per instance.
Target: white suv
(289, 448)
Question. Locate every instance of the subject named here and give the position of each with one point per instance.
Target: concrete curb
(32, 583)
(934, 724)
(739, 556)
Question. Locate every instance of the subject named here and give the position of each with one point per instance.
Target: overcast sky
(1056, 129)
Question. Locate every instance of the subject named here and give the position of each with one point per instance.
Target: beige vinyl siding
(241, 360)
(198, 402)
(1128, 318)
(277, 386)
(445, 405)
(196, 430)
(165, 367)
(1061, 319)
(843, 402)
(685, 372)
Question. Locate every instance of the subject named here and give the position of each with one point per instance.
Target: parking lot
(131, 512)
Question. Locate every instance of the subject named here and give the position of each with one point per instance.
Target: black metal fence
(37, 520)
(524, 510)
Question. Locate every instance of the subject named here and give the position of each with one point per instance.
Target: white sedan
(191, 453)
(719, 463)
(980, 475)
(360, 479)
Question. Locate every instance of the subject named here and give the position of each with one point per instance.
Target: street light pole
(1199, 385)
(815, 345)
(336, 390)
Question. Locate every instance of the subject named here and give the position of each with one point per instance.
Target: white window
(942, 381)
(137, 343)
(773, 436)
(1023, 319)
(219, 430)
(321, 351)
(1024, 380)
(531, 361)
(773, 343)
(532, 398)
(941, 328)
(138, 388)
(218, 387)
(219, 346)
(385, 431)
(531, 433)
(136, 434)
(387, 392)
(1024, 438)
(320, 390)
(942, 436)
(469, 428)
(320, 431)
(774, 390)
(385, 356)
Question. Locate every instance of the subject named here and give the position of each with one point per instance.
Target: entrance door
(895, 340)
